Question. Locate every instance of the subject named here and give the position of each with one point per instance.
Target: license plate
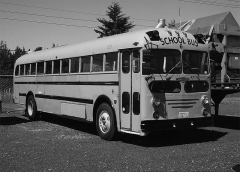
(183, 114)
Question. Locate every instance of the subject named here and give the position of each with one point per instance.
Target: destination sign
(167, 40)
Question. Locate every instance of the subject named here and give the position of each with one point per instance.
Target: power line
(53, 9)
(68, 18)
(234, 0)
(218, 3)
(41, 22)
(78, 12)
(41, 15)
(212, 3)
(59, 24)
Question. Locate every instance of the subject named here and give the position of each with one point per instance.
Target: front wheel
(105, 122)
(31, 108)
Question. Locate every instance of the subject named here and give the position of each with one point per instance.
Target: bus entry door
(130, 90)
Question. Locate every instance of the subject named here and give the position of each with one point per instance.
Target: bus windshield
(165, 61)
(195, 62)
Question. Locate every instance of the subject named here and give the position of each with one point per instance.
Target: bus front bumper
(157, 125)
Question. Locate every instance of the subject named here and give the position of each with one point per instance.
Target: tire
(105, 122)
(31, 108)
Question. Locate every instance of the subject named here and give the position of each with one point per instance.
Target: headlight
(155, 101)
(156, 115)
(205, 100)
(205, 113)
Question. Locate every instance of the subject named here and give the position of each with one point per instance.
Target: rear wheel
(105, 122)
(31, 108)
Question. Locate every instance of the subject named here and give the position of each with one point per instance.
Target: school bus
(137, 82)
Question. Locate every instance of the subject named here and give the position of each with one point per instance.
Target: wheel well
(98, 102)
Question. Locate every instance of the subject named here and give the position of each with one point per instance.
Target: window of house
(111, 61)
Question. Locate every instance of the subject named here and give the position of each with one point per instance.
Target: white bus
(137, 82)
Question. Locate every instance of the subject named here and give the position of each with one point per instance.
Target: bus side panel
(103, 84)
(73, 109)
(23, 89)
(89, 112)
(22, 93)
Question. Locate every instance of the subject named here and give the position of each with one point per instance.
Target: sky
(42, 23)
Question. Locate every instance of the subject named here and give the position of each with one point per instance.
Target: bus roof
(154, 38)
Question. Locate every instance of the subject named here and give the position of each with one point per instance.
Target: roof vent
(161, 23)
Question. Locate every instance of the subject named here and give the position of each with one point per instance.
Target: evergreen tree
(8, 59)
(118, 23)
(5, 55)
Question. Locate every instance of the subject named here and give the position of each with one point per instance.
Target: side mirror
(212, 71)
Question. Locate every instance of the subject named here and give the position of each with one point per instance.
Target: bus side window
(40, 68)
(111, 61)
(21, 69)
(56, 66)
(33, 68)
(136, 61)
(85, 64)
(48, 67)
(125, 62)
(65, 66)
(27, 69)
(75, 65)
(17, 70)
(97, 65)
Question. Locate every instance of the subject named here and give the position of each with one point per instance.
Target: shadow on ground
(230, 122)
(174, 137)
(72, 123)
(12, 120)
(159, 139)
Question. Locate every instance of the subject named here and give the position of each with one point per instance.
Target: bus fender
(101, 99)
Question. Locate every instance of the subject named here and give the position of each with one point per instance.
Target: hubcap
(30, 108)
(104, 122)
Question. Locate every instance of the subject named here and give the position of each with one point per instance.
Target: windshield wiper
(172, 70)
(192, 70)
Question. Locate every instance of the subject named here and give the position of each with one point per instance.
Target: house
(222, 33)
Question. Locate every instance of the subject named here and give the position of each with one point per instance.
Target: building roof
(203, 25)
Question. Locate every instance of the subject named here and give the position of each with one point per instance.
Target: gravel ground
(230, 107)
(59, 144)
